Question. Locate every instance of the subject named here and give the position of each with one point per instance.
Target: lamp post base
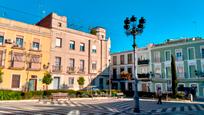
(136, 110)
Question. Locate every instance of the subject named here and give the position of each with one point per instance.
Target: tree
(174, 77)
(81, 81)
(1, 75)
(125, 75)
(47, 79)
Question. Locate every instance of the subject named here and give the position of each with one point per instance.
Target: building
(74, 54)
(154, 66)
(189, 56)
(24, 55)
(123, 61)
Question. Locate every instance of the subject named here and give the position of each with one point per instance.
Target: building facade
(154, 66)
(24, 55)
(189, 56)
(75, 54)
(28, 51)
(123, 61)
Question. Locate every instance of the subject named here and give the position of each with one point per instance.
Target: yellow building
(24, 55)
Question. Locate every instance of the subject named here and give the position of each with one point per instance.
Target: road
(107, 106)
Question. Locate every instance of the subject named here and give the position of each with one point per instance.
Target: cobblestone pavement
(109, 106)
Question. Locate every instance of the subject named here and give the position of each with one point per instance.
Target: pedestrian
(159, 94)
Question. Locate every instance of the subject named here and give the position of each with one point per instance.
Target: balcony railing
(56, 69)
(34, 67)
(141, 62)
(16, 46)
(17, 65)
(143, 76)
(71, 69)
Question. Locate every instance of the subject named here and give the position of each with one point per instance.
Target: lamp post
(134, 30)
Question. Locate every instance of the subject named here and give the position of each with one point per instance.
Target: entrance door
(101, 83)
(32, 84)
(56, 82)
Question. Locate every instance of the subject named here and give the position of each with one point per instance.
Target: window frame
(60, 43)
(19, 82)
(72, 45)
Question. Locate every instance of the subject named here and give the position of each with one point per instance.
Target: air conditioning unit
(9, 41)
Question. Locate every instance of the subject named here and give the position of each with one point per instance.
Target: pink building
(76, 54)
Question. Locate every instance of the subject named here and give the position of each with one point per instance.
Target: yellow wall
(29, 32)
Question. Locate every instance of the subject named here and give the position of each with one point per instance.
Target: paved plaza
(108, 106)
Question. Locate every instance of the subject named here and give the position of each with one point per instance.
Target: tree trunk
(174, 77)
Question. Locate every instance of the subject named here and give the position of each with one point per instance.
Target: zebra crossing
(108, 107)
(195, 107)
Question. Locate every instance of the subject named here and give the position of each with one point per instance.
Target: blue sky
(165, 18)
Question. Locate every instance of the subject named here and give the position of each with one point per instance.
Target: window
(121, 59)
(114, 73)
(1, 58)
(82, 47)
(81, 68)
(71, 62)
(93, 49)
(93, 65)
(180, 71)
(36, 46)
(129, 58)
(18, 57)
(15, 81)
(58, 42)
(35, 59)
(114, 60)
(192, 71)
(59, 24)
(122, 69)
(72, 45)
(157, 70)
(167, 55)
(179, 55)
(19, 42)
(191, 53)
(130, 71)
(168, 72)
(58, 61)
(71, 81)
(202, 52)
(157, 57)
(1, 40)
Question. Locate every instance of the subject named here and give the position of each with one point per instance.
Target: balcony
(17, 46)
(71, 70)
(17, 65)
(56, 69)
(143, 76)
(34, 66)
(81, 70)
(142, 62)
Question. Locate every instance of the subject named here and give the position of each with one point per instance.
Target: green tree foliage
(125, 75)
(1, 75)
(47, 79)
(174, 77)
(81, 81)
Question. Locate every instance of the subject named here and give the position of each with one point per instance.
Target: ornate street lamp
(134, 30)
